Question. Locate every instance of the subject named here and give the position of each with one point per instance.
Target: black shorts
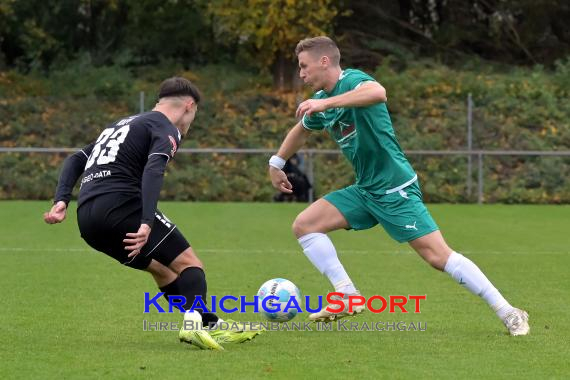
(105, 220)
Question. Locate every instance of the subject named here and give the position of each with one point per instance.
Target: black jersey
(129, 156)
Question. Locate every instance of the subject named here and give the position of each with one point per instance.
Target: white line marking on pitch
(245, 250)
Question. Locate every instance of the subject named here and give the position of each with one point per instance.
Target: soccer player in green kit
(351, 106)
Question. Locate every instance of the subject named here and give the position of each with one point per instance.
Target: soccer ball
(284, 290)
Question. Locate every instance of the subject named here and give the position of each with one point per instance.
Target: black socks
(190, 283)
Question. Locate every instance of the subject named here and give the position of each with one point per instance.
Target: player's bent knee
(162, 274)
(436, 262)
(301, 227)
(186, 259)
(434, 258)
(433, 249)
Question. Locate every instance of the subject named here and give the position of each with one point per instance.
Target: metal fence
(475, 157)
(309, 155)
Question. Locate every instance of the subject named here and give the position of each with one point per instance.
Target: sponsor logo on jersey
(347, 130)
(342, 132)
(174, 145)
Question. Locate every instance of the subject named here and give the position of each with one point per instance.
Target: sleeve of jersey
(355, 79)
(313, 122)
(164, 141)
(152, 179)
(73, 167)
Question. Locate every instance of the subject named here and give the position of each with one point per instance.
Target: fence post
(310, 175)
(469, 143)
(480, 178)
(141, 101)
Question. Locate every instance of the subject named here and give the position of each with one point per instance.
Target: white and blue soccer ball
(282, 289)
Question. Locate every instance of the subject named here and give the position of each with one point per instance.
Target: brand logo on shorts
(411, 226)
(163, 219)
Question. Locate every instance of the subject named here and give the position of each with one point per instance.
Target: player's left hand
(136, 240)
(310, 106)
(56, 214)
(279, 180)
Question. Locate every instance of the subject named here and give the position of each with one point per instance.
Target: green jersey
(366, 138)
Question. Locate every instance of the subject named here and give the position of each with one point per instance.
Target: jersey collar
(340, 77)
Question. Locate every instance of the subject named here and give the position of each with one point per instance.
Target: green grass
(70, 312)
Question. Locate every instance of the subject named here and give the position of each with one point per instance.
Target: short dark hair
(321, 45)
(178, 86)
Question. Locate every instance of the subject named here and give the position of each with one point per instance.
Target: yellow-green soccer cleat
(200, 339)
(233, 332)
(193, 333)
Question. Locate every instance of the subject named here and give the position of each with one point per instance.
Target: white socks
(321, 252)
(466, 273)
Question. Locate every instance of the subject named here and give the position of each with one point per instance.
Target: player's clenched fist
(56, 214)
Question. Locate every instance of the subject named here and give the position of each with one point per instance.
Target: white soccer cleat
(326, 316)
(517, 322)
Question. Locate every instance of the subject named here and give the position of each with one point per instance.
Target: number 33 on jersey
(117, 159)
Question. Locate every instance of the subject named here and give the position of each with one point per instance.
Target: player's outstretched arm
(364, 95)
(72, 169)
(294, 140)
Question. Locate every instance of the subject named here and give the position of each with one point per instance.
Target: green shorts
(402, 213)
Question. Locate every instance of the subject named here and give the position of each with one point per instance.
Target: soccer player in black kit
(121, 177)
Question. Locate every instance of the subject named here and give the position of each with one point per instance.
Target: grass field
(69, 312)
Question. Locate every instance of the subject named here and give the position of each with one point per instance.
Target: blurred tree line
(48, 34)
(69, 67)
